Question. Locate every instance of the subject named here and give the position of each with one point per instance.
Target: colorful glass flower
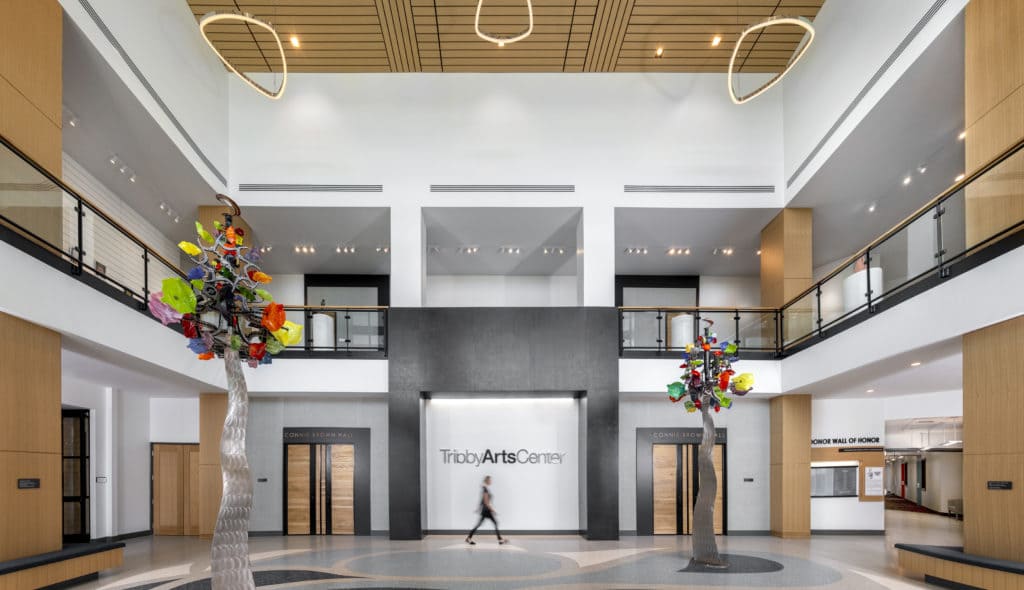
(178, 294)
(190, 248)
(273, 317)
(161, 311)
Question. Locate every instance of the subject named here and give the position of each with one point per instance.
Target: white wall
(924, 405)
(162, 39)
(500, 291)
(527, 496)
(639, 128)
(174, 419)
(653, 375)
(854, 39)
(847, 418)
(748, 454)
(324, 376)
(267, 419)
(944, 476)
(132, 478)
(730, 291)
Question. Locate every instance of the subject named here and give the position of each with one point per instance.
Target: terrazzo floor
(554, 562)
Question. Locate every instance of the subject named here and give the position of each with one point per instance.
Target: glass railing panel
(953, 226)
(843, 294)
(757, 330)
(799, 318)
(30, 204)
(903, 257)
(994, 202)
(345, 330)
(112, 255)
(643, 330)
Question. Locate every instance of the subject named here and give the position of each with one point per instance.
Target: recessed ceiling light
(716, 41)
(963, 134)
(922, 169)
(338, 249)
(959, 177)
(870, 391)
(915, 364)
(671, 252)
(297, 249)
(312, 250)
(132, 178)
(907, 180)
(113, 160)
(758, 252)
(872, 207)
(295, 41)
(686, 252)
(163, 206)
(659, 52)
(177, 219)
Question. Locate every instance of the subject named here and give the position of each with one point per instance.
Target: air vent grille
(313, 188)
(664, 188)
(502, 188)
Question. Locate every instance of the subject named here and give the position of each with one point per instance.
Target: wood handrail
(697, 308)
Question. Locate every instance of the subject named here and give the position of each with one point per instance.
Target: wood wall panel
(790, 486)
(55, 573)
(213, 408)
(191, 500)
(993, 378)
(30, 78)
(994, 114)
(168, 482)
(864, 458)
(299, 514)
(665, 476)
(568, 35)
(920, 565)
(343, 469)
(30, 439)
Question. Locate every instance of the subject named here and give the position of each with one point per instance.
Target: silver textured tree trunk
(229, 553)
(705, 548)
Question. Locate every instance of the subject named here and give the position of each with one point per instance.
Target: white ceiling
(941, 369)
(111, 121)
(92, 363)
(916, 123)
(530, 229)
(944, 432)
(325, 228)
(700, 230)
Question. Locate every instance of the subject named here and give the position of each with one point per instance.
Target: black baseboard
(944, 583)
(266, 533)
(750, 533)
(488, 532)
(384, 533)
(135, 535)
(73, 582)
(847, 532)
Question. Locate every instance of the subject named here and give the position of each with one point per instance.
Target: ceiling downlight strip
(800, 51)
(215, 17)
(501, 41)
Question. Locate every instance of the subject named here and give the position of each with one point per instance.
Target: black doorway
(75, 474)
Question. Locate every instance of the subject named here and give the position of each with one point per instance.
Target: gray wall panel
(504, 350)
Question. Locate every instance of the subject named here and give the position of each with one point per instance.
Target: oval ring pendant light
(214, 17)
(771, 22)
(501, 41)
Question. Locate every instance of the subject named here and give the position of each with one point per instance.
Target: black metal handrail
(755, 334)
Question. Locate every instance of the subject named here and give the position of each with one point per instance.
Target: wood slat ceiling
(568, 35)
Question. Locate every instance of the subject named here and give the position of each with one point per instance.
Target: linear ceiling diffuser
(800, 50)
(214, 17)
(501, 40)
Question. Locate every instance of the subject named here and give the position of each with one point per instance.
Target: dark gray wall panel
(504, 350)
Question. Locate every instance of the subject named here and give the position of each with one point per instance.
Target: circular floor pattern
(463, 564)
(738, 564)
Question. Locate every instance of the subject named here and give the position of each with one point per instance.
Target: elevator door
(319, 494)
(676, 483)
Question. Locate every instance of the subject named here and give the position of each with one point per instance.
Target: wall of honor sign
(839, 441)
(530, 447)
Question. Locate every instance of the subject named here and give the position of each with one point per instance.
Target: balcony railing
(657, 331)
(46, 218)
(936, 242)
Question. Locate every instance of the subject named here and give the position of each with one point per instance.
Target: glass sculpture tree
(705, 386)
(225, 312)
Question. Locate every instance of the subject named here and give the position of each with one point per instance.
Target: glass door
(75, 471)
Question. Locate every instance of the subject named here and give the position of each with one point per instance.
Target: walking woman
(486, 511)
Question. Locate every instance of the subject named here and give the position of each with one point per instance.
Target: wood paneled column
(213, 408)
(994, 440)
(786, 267)
(993, 114)
(791, 466)
(30, 439)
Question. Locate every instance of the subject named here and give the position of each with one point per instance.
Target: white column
(101, 464)
(597, 259)
(408, 245)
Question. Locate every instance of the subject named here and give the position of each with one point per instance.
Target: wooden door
(299, 505)
(717, 457)
(343, 468)
(168, 482)
(666, 478)
(191, 489)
